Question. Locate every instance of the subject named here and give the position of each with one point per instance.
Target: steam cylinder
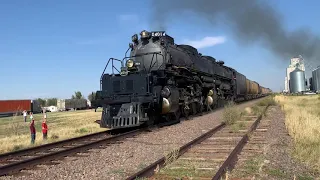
(297, 81)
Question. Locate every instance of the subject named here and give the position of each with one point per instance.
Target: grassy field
(15, 133)
(303, 124)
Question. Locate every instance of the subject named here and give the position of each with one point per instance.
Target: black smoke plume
(250, 21)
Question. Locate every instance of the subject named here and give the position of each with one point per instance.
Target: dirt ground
(276, 161)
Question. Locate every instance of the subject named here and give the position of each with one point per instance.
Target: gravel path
(280, 147)
(275, 162)
(121, 160)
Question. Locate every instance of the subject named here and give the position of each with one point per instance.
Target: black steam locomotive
(161, 81)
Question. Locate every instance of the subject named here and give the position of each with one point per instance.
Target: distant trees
(92, 96)
(42, 102)
(52, 102)
(47, 102)
(77, 95)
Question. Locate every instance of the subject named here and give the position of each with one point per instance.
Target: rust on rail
(150, 170)
(228, 164)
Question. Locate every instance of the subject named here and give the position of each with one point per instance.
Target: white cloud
(206, 42)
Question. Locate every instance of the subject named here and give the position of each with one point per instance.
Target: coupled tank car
(297, 81)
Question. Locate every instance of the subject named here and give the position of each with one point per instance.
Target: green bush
(231, 114)
(82, 130)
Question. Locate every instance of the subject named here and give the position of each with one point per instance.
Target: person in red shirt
(44, 129)
(33, 131)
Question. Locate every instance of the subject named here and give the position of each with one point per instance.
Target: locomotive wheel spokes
(176, 115)
(185, 111)
(200, 109)
(152, 120)
(194, 108)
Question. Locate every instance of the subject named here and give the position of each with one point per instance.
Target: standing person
(32, 131)
(31, 116)
(25, 115)
(44, 129)
(44, 114)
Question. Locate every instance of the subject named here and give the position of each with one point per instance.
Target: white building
(89, 103)
(294, 62)
(52, 108)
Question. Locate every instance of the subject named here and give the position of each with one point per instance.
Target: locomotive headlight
(144, 34)
(129, 63)
(134, 38)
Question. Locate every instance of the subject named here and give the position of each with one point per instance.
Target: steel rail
(150, 170)
(20, 165)
(227, 164)
(22, 152)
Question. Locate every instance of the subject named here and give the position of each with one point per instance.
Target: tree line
(53, 101)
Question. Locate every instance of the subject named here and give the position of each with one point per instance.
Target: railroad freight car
(68, 104)
(10, 107)
(252, 89)
(162, 81)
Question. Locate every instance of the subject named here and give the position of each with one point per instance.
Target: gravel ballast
(275, 161)
(280, 149)
(118, 161)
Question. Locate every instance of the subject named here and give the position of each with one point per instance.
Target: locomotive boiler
(161, 81)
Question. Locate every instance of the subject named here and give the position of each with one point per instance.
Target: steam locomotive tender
(160, 81)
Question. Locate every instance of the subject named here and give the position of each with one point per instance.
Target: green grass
(237, 126)
(15, 133)
(249, 167)
(277, 173)
(186, 172)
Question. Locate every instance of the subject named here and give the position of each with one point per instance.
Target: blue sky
(53, 48)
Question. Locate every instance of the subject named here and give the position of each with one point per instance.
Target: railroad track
(25, 159)
(210, 156)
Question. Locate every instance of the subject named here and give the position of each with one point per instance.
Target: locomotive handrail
(113, 67)
(153, 54)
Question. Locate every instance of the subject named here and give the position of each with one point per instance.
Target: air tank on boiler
(297, 81)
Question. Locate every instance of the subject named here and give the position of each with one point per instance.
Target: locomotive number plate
(158, 33)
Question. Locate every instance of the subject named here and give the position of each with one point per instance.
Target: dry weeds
(231, 113)
(303, 124)
(15, 133)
